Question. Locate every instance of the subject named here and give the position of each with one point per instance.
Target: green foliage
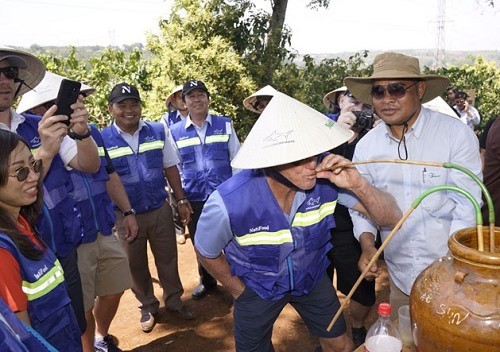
(192, 45)
(310, 83)
(103, 72)
(484, 78)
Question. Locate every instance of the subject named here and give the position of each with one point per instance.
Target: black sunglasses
(22, 173)
(10, 72)
(395, 90)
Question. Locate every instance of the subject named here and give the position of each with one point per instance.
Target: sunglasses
(395, 90)
(22, 173)
(10, 72)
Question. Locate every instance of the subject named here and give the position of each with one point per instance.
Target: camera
(364, 120)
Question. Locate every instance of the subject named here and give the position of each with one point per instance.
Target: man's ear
(421, 89)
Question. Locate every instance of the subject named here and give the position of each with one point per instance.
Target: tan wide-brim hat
(288, 131)
(46, 91)
(391, 66)
(331, 97)
(170, 98)
(250, 101)
(31, 69)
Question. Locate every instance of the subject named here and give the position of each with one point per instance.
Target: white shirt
(472, 120)
(424, 235)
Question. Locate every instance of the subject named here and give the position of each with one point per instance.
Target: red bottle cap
(384, 309)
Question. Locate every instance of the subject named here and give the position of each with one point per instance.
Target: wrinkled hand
(344, 177)
(185, 212)
(364, 260)
(80, 117)
(51, 131)
(130, 228)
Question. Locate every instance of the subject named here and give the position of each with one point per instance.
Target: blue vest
(141, 173)
(199, 184)
(49, 307)
(171, 117)
(16, 336)
(91, 196)
(270, 256)
(59, 223)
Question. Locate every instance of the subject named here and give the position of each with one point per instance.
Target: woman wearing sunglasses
(31, 278)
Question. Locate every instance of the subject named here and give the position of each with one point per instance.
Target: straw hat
(331, 97)
(31, 69)
(288, 131)
(250, 101)
(46, 91)
(390, 66)
(170, 98)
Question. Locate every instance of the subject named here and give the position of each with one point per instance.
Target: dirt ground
(211, 331)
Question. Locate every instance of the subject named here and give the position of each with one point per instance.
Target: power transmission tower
(439, 56)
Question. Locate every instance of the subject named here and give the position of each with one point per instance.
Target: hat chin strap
(19, 80)
(278, 177)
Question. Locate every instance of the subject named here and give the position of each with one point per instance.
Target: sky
(348, 25)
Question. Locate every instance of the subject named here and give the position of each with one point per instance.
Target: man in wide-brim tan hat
(410, 131)
(264, 233)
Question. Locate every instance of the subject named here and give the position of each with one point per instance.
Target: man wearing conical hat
(264, 233)
(410, 131)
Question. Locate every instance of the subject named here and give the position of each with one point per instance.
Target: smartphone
(67, 96)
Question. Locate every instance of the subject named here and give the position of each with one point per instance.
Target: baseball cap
(193, 84)
(123, 91)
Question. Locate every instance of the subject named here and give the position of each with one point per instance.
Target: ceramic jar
(455, 302)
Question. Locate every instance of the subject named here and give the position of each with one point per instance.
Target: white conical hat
(331, 97)
(46, 91)
(31, 69)
(438, 104)
(250, 101)
(288, 131)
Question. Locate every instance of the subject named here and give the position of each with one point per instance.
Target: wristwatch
(182, 201)
(80, 137)
(129, 212)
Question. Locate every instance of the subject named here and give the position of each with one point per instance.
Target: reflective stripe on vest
(313, 217)
(100, 150)
(217, 138)
(118, 152)
(147, 146)
(189, 142)
(265, 237)
(45, 284)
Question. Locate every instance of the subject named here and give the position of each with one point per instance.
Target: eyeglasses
(22, 173)
(395, 90)
(10, 72)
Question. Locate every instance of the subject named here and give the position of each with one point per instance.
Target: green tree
(190, 46)
(484, 78)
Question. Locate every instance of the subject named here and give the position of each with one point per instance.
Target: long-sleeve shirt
(424, 235)
(470, 120)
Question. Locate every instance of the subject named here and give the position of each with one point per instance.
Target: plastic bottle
(383, 336)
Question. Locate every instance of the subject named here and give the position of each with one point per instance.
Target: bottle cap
(384, 308)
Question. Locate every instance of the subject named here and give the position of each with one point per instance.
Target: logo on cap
(126, 89)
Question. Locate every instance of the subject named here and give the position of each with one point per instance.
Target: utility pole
(439, 56)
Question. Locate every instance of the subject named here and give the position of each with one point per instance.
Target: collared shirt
(233, 143)
(423, 237)
(215, 229)
(170, 157)
(67, 151)
(470, 121)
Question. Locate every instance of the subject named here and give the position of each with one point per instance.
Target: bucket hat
(331, 97)
(46, 91)
(288, 131)
(390, 66)
(31, 69)
(249, 102)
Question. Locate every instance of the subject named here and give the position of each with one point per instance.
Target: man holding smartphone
(58, 223)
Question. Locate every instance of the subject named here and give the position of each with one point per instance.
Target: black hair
(461, 95)
(8, 142)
